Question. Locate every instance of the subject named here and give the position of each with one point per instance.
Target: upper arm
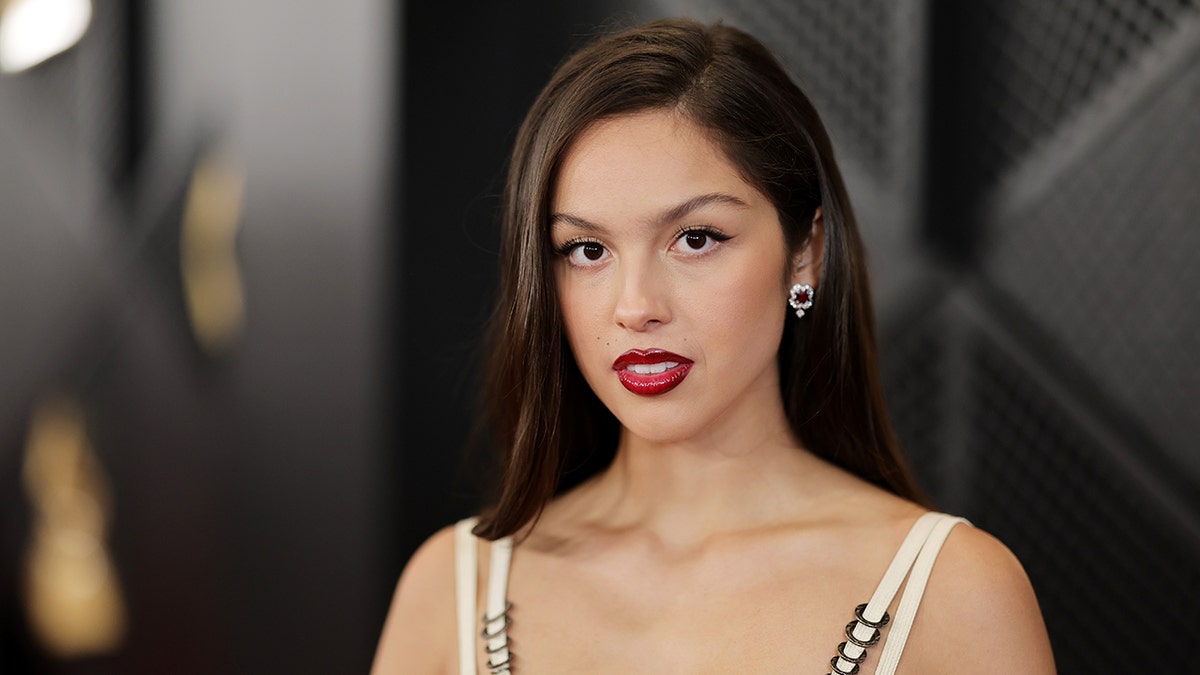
(979, 613)
(419, 633)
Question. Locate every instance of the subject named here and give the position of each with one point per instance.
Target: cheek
(567, 307)
(746, 312)
(579, 320)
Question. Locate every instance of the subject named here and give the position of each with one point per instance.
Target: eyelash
(707, 230)
(572, 244)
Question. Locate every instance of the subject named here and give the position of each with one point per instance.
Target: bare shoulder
(418, 635)
(979, 613)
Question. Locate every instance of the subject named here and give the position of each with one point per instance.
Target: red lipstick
(651, 372)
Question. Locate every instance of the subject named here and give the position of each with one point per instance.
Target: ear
(806, 262)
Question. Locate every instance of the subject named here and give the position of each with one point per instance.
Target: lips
(651, 372)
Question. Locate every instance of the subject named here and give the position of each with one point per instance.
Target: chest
(762, 614)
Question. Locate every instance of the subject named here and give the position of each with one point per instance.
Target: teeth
(651, 368)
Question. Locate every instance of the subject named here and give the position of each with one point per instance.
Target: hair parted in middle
(551, 429)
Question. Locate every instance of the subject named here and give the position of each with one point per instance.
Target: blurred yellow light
(212, 281)
(72, 594)
(32, 31)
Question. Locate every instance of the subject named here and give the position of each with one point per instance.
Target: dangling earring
(801, 298)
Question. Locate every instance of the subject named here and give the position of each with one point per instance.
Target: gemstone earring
(801, 298)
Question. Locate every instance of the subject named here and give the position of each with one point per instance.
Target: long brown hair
(552, 430)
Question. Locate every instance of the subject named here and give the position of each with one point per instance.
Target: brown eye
(585, 253)
(698, 240)
(592, 251)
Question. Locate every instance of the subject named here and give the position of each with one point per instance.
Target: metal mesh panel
(839, 52)
(914, 375)
(845, 57)
(1036, 63)
(1117, 579)
(1106, 264)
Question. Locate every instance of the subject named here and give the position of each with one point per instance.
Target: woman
(699, 472)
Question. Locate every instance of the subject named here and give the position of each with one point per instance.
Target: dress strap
(913, 591)
(465, 591)
(924, 540)
(495, 619)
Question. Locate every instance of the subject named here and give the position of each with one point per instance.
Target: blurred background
(247, 248)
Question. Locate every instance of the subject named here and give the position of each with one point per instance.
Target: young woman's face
(673, 276)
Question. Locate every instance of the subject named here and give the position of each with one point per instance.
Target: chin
(660, 428)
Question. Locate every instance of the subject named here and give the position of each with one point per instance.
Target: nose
(642, 302)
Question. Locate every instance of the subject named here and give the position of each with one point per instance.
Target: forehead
(643, 162)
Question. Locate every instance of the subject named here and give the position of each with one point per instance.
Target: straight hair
(552, 430)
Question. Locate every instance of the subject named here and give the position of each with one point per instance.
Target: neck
(734, 475)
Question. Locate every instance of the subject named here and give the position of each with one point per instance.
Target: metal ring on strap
(869, 642)
(502, 667)
(858, 614)
(841, 650)
(487, 619)
(491, 635)
(493, 650)
(833, 663)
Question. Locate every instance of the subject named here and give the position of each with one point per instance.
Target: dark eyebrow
(576, 221)
(695, 203)
(669, 216)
